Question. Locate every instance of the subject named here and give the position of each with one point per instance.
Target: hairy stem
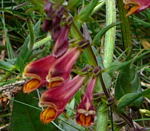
(125, 27)
(110, 34)
(102, 118)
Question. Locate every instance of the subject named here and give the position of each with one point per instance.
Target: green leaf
(25, 117)
(24, 54)
(26, 50)
(126, 100)
(38, 5)
(86, 12)
(73, 3)
(97, 38)
(127, 82)
(117, 66)
(31, 33)
(6, 65)
(9, 48)
(129, 98)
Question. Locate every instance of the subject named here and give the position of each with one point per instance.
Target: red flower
(50, 71)
(62, 68)
(86, 111)
(61, 44)
(137, 5)
(55, 99)
(38, 70)
(53, 20)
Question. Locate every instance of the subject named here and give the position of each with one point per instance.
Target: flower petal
(137, 5)
(62, 43)
(31, 85)
(48, 115)
(58, 97)
(63, 66)
(86, 111)
(84, 120)
(39, 68)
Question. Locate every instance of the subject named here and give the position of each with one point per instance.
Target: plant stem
(102, 119)
(41, 42)
(125, 27)
(91, 57)
(110, 34)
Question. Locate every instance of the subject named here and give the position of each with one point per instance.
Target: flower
(61, 44)
(137, 5)
(53, 20)
(58, 30)
(56, 98)
(62, 68)
(86, 111)
(38, 70)
(50, 71)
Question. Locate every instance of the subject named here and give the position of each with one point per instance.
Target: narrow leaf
(97, 38)
(86, 12)
(9, 48)
(130, 98)
(6, 65)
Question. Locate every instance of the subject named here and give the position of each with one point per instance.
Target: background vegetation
(127, 76)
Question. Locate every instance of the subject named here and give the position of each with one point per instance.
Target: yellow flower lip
(56, 98)
(86, 112)
(134, 6)
(50, 71)
(84, 120)
(48, 115)
(54, 81)
(31, 85)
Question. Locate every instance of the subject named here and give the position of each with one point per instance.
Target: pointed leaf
(97, 38)
(86, 12)
(25, 50)
(6, 65)
(129, 98)
(10, 51)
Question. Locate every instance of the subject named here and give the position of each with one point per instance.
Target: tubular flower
(54, 18)
(86, 111)
(59, 33)
(49, 70)
(136, 5)
(38, 70)
(62, 68)
(62, 43)
(55, 99)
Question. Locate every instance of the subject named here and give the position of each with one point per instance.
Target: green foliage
(6, 65)
(127, 82)
(25, 115)
(26, 49)
(98, 36)
(129, 98)
(10, 51)
(86, 12)
(22, 41)
(73, 3)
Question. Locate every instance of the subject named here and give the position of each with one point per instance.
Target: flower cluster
(53, 72)
(53, 23)
(136, 5)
